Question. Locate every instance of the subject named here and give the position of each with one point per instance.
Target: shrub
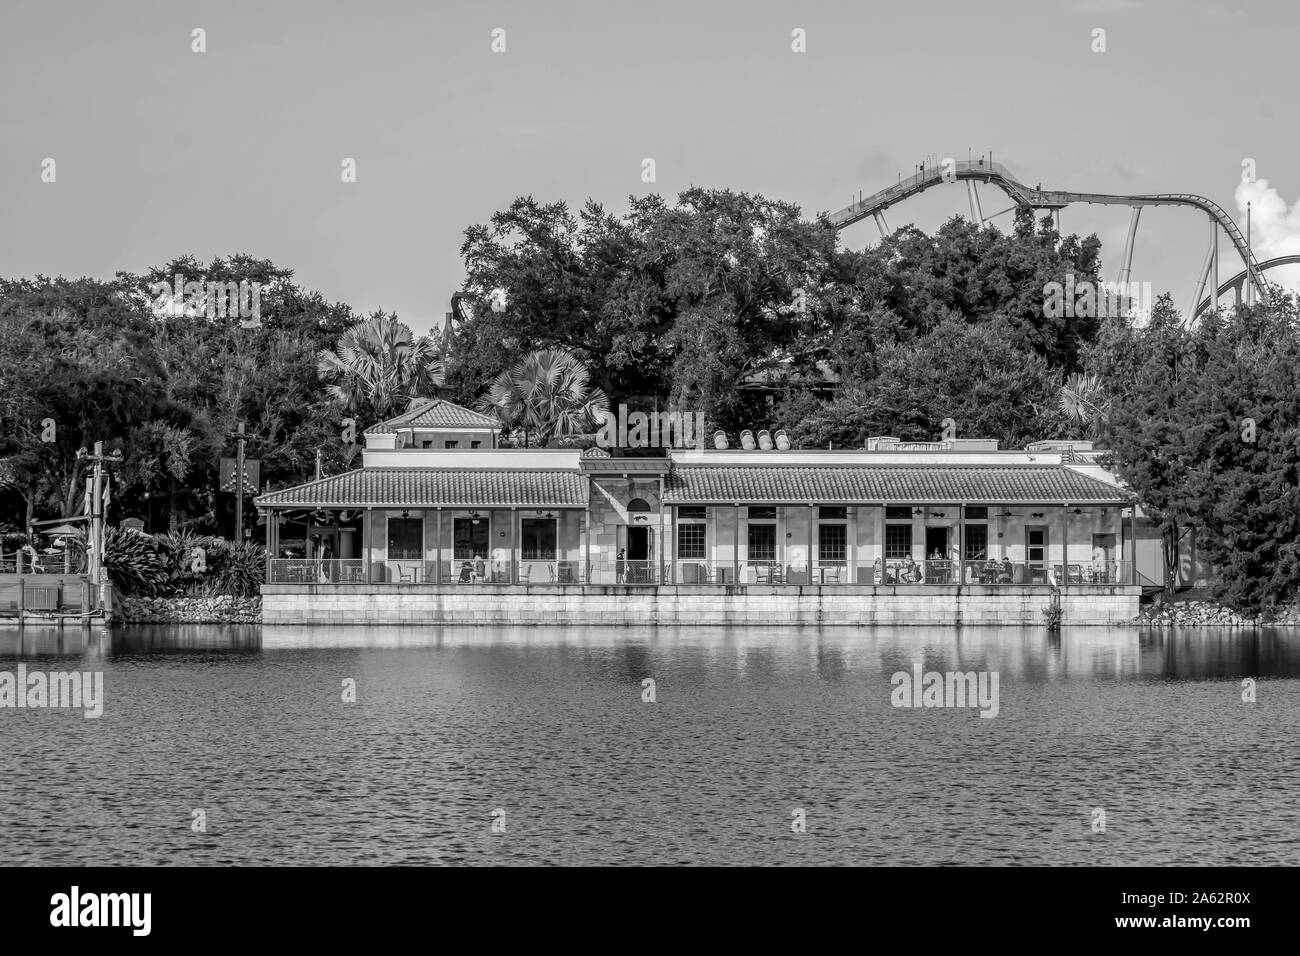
(133, 563)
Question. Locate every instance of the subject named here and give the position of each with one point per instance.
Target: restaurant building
(441, 525)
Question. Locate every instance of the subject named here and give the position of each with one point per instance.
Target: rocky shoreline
(1210, 614)
(221, 609)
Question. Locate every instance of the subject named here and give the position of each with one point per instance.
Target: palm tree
(1083, 400)
(547, 393)
(379, 362)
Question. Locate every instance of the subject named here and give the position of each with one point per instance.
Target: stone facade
(492, 605)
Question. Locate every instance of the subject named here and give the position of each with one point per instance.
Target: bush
(133, 563)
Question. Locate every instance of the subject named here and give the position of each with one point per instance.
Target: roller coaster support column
(976, 212)
(1214, 266)
(1201, 276)
(881, 224)
(1126, 262)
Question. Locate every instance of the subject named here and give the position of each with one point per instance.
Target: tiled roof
(851, 484)
(425, 487)
(438, 413)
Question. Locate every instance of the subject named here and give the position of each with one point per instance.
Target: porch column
(1065, 546)
(437, 546)
(1132, 543)
(367, 538)
(735, 548)
(516, 532)
(851, 550)
(675, 562)
(812, 522)
(961, 536)
(661, 530)
(270, 544)
(880, 540)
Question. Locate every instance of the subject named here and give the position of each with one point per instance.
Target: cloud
(1274, 227)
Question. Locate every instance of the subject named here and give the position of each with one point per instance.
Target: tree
(1205, 427)
(378, 368)
(548, 395)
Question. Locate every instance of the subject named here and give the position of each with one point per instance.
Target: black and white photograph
(650, 435)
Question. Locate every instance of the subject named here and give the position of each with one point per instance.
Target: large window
(470, 537)
(977, 542)
(832, 540)
(762, 543)
(537, 539)
(405, 538)
(898, 512)
(898, 541)
(690, 541)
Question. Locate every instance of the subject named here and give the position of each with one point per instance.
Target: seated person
(480, 568)
(466, 572)
(1004, 575)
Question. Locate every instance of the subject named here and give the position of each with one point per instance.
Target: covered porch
(391, 526)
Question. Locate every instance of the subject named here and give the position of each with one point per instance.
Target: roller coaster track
(998, 175)
(1238, 282)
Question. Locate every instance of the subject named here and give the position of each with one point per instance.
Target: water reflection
(450, 723)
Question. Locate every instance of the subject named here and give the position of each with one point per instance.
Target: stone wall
(690, 606)
(188, 610)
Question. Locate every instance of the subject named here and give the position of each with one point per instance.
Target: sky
(161, 151)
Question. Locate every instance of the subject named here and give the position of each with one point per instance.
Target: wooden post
(270, 543)
(961, 535)
(516, 553)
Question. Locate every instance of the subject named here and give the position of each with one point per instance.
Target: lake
(545, 733)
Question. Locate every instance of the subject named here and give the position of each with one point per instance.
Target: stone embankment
(1210, 614)
(221, 609)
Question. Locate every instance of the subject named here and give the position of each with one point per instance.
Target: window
(451, 444)
(976, 542)
(762, 542)
(898, 512)
(426, 442)
(475, 444)
(537, 539)
(836, 513)
(405, 538)
(898, 541)
(763, 513)
(977, 514)
(831, 543)
(470, 537)
(690, 541)
(690, 512)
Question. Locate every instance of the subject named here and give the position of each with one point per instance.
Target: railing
(468, 571)
(23, 562)
(688, 571)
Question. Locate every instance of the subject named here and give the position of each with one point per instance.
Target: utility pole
(95, 560)
(239, 485)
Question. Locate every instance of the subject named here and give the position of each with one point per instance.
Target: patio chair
(831, 575)
(406, 574)
(525, 573)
